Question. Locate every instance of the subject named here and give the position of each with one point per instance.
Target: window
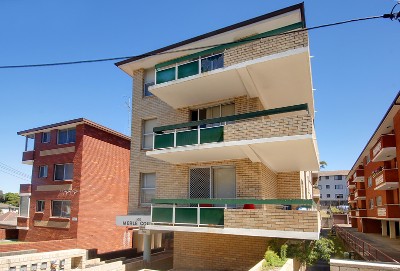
(369, 181)
(379, 201)
(212, 62)
(147, 187)
(327, 186)
(212, 112)
(319, 187)
(338, 196)
(63, 172)
(367, 159)
(40, 206)
(338, 186)
(338, 177)
(24, 206)
(60, 208)
(328, 196)
(320, 196)
(371, 204)
(147, 129)
(46, 137)
(43, 171)
(326, 177)
(148, 81)
(66, 136)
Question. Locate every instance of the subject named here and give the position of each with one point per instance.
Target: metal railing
(362, 248)
(184, 134)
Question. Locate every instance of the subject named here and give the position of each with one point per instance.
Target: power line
(392, 16)
(7, 169)
(16, 176)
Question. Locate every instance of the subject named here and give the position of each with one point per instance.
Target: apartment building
(80, 176)
(223, 141)
(332, 187)
(373, 181)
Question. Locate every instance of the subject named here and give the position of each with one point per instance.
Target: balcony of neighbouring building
(282, 218)
(353, 213)
(358, 175)
(271, 78)
(351, 184)
(359, 194)
(388, 211)
(351, 198)
(25, 189)
(361, 213)
(28, 157)
(283, 138)
(386, 179)
(384, 149)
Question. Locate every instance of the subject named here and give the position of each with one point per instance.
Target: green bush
(271, 259)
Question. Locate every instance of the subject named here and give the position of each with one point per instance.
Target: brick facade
(98, 191)
(207, 251)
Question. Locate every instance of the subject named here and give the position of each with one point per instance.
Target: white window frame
(369, 181)
(142, 188)
(147, 134)
(371, 204)
(46, 171)
(338, 186)
(68, 140)
(380, 199)
(37, 206)
(48, 138)
(54, 177)
(52, 215)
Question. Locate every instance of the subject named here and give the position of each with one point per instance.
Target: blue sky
(355, 67)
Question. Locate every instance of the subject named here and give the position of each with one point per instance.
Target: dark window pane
(69, 171)
(71, 136)
(59, 172)
(62, 136)
(146, 89)
(56, 208)
(212, 63)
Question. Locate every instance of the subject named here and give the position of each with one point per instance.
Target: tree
(11, 199)
(323, 164)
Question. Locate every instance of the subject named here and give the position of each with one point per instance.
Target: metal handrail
(364, 249)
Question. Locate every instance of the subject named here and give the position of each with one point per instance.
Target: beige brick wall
(263, 47)
(269, 183)
(289, 185)
(265, 128)
(272, 219)
(207, 251)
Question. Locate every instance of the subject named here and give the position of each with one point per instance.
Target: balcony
(361, 213)
(384, 149)
(28, 157)
(353, 213)
(388, 211)
(25, 189)
(351, 198)
(358, 176)
(359, 194)
(351, 185)
(22, 223)
(387, 179)
(192, 83)
(285, 144)
(273, 218)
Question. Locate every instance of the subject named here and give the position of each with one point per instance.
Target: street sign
(133, 220)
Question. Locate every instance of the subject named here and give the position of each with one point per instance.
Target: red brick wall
(42, 246)
(101, 178)
(103, 191)
(8, 234)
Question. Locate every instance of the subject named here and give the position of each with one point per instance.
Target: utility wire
(10, 170)
(16, 176)
(390, 16)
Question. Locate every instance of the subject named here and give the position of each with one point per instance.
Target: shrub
(271, 259)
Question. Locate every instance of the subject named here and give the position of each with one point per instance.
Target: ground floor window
(61, 208)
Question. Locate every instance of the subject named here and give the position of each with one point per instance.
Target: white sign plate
(144, 232)
(133, 220)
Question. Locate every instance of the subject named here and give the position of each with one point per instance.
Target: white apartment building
(333, 187)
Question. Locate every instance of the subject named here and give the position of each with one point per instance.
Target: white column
(158, 240)
(392, 226)
(384, 228)
(146, 247)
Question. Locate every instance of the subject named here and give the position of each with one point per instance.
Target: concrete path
(390, 247)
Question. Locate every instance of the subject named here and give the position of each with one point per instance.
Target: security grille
(200, 183)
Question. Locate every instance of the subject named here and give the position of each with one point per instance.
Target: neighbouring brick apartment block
(373, 181)
(223, 143)
(80, 176)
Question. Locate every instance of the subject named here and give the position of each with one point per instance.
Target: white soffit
(288, 153)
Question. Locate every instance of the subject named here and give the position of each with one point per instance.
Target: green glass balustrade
(165, 75)
(163, 141)
(188, 69)
(214, 134)
(187, 138)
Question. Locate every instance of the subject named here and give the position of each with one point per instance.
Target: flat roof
(71, 123)
(333, 172)
(218, 31)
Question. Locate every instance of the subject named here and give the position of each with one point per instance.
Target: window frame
(62, 203)
(338, 177)
(369, 181)
(336, 196)
(371, 204)
(142, 188)
(147, 134)
(328, 196)
(380, 200)
(48, 137)
(46, 171)
(327, 186)
(42, 204)
(64, 179)
(338, 186)
(68, 136)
